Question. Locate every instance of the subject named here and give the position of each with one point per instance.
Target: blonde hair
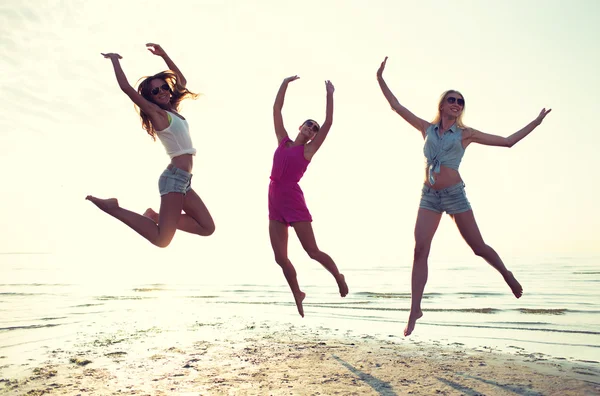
(459, 120)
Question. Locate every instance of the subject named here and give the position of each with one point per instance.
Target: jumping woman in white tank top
(157, 100)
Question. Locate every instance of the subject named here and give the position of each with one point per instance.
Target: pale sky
(68, 131)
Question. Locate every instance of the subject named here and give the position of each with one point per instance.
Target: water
(559, 315)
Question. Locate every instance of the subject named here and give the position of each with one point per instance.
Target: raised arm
(277, 106)
(412, 119)
(147, 107)
(315, 144)
(475, 136)
(157, 50)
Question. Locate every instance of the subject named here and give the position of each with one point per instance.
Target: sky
(68, 131)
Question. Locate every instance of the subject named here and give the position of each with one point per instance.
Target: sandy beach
(235, 358)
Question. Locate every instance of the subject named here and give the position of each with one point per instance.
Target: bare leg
(195, 220)
(425, 228)
(279, 238)
(470, 232)
(305, 234)
(159, 234)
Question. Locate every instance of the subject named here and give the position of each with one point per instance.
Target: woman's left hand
(542, 115)
(156, 49)
(329, 87)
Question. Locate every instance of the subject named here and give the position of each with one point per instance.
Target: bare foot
(299, 298)
(514, 285)
(341, 281)
(151, 214)
(104, 204)
(412, 321)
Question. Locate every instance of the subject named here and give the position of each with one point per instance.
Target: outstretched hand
(290, 79)
(542, 115)
(156, 49)
(381, 68)
(111, 56)
(329, 87)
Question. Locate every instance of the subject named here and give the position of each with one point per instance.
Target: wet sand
(224, 358)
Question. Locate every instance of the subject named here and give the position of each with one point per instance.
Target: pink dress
(286, 200)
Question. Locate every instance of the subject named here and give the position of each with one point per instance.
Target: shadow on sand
(381, 387)
(517, 390)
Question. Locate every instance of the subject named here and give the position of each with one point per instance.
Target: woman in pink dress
(286, 200)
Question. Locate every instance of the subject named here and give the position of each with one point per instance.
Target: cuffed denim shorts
(451, 200)
(174, 180)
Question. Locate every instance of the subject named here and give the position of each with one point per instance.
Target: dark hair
(178, 93)
(310, 119)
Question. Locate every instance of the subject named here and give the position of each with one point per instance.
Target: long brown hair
(459, 120)
(178, 93)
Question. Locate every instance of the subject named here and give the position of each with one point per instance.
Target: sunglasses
(313, 127)
(451, 100)
(156, 90)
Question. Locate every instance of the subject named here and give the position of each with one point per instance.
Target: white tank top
(176, 137)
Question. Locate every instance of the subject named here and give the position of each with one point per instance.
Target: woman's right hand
(290, 79)
(112, 56)
(381, 68)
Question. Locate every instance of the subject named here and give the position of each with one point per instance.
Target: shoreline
(230, 356)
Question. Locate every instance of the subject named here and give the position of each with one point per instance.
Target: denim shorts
(174, 180)
(451, 200)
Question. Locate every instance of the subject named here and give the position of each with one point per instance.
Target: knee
(209, 230)
(480, 249)
(282, 261)
(421, 250)
(162, 242)
(313, 252)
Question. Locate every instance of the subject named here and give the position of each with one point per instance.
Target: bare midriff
(446, 178)
(184, 162)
